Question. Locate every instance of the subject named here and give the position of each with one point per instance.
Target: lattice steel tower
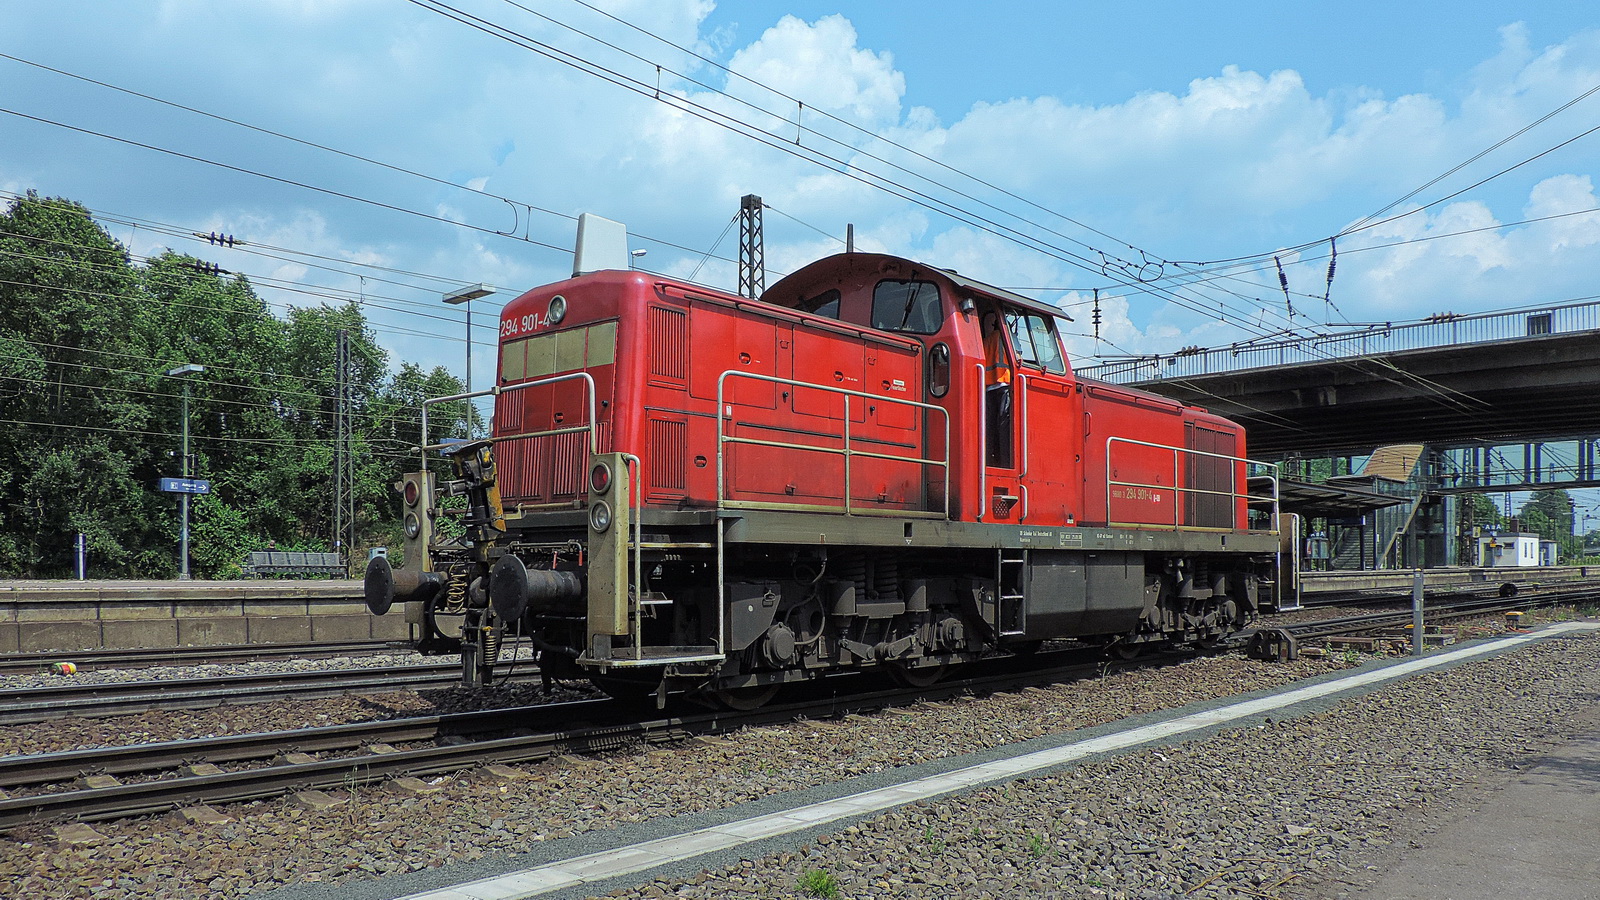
(344, 459)
(752, 252)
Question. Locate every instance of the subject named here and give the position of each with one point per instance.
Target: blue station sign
(185, 486)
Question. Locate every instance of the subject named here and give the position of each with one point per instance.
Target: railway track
(1437, 593)
(86, 660)
(1460, 609)
(459, 741)
(578, 727)
(36, 704)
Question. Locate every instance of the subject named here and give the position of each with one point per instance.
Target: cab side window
(1034, 337)
(823, 304)
(907, 306)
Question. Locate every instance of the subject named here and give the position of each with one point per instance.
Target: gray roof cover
(1004, 295)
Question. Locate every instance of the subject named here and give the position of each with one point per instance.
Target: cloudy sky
(391, 150)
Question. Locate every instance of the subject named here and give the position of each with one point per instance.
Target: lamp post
(183, 497)
(455, 298)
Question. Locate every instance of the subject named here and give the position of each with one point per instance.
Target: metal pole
(1416, 613)
(183, 497)
(83, 555)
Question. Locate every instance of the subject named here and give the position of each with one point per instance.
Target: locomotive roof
(827, 269)
(1002, 294)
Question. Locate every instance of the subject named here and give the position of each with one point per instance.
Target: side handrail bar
(635, 503)
(497, 390)
(1180, 491)
(983, 443)
(723, 412)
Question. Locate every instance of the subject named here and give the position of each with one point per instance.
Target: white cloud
(1236, 163)
(820, 64)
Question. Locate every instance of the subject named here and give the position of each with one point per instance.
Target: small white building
(1549, 553)
(1505, 550)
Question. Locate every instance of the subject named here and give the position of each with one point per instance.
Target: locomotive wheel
(918, 676)
(1125, 651)
(632, 691)
(745, 699)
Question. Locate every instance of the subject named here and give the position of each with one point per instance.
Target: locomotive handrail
(497, 390)
(983, 441)
(1181, 491)
(635, 493)
(724, 411)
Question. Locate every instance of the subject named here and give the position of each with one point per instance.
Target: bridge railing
(1442, 330)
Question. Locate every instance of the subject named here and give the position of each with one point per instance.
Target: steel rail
(161, 795)
(38, 704)
(1463, 609)
(138, 657)
(1365, 596)
(45, 768)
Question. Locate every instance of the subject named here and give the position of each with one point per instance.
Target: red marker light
(600, 478)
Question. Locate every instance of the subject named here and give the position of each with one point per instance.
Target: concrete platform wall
(1400, 580)
(87, 615)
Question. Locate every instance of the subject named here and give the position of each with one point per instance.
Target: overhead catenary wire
(513, 202)
(1372, 219)
(802, 129)
(1174, 295)
(842, 167)
(1083, 262)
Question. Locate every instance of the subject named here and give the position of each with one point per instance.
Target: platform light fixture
(455, 298)
(183, 497)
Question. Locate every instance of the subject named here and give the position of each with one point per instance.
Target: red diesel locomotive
(877, 464)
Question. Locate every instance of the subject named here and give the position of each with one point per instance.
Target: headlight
(557, 310)
(413, 526)
(600, 516)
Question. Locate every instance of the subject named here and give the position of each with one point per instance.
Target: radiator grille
(669, 343)
(545, 469)
(669, 442)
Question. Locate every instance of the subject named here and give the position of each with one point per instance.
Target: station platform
(106, 614)
(1399, 580)
(38, 615)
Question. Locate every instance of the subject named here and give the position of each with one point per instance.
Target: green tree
(1556, 508)
(1551, 514)
(77, 347)
(91, 421)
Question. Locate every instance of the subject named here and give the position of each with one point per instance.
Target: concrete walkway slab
(1535, 836)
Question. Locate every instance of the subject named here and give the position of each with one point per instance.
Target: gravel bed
(1303, 808)
(379, 831)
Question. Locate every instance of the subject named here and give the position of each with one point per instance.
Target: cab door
(1001, 424)
(1045, 406)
